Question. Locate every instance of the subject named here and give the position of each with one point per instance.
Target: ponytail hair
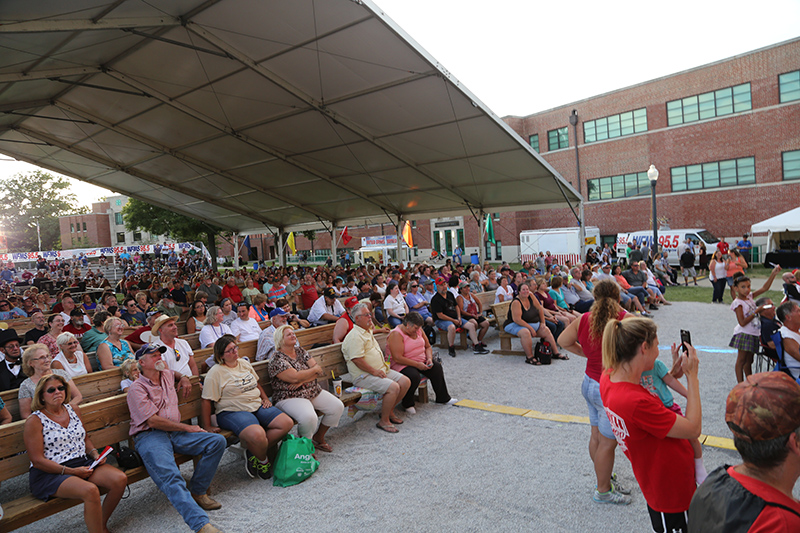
(622, 339)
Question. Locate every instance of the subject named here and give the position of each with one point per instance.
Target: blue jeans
(639, 292)
(157, 448)
(394, 322)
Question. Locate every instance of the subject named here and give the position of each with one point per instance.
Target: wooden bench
(500, 311)
(487, 300)
(107, 421)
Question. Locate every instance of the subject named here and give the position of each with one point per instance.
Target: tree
(35, 197)
(139, 215)
(311, 235)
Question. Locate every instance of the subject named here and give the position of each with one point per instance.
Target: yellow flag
(290, 242)
(407, 234)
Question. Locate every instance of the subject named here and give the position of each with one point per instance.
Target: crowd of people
(596, 310)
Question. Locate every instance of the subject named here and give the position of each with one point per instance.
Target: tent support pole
(481, 245)
(333, 242)
(281, 247)
(398, 231)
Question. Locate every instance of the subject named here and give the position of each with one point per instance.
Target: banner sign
(97, 252)
(380, 240)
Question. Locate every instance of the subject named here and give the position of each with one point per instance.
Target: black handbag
(127, 458)
(543, 352)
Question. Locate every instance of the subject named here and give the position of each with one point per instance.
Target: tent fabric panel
(788, 221)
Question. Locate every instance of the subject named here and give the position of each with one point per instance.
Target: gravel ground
(453, 468)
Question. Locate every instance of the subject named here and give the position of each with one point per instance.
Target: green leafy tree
(141, 216)
(35, 198)
(311, 235)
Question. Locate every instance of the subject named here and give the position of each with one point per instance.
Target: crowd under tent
(258, 116)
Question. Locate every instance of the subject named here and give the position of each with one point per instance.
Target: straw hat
(160, 321)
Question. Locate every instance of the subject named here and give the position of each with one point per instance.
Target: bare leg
(76, 488)
(744, 365)
(527, 342)
(115, 481)
(601, 450)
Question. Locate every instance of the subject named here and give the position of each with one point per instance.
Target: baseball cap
(329, 292)
(76, 312)
(441, 281)
(149, 348)
(428, 282)
(350, 302)
(277, 312)
(764, 406)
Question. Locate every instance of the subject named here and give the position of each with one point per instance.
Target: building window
(626, 123)
(488, 250)
(84, 226)
(534, 140)
(712, 175)
(498, 248)
(413, 223)
(624, 186)
(137, 236)
(789, 86)
(557, 139)
(496, 216)
(791, 165)
(118, 219)
(709, 105)
(121, 237)
(72, 228)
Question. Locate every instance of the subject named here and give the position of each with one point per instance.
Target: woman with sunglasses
(36, 365)
(114, 349)
(61, 455)
(197, 317)
(70, 358)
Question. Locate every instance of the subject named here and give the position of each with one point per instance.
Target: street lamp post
(652, 175)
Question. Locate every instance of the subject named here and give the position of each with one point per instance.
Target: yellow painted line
(707, 440)
(504, 409)
(556, 417)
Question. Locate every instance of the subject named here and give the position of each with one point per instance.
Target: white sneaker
(452, 401)
(411, 411)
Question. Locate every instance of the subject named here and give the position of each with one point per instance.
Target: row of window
(703, 106)
(137, 236)
(709, 105)
(727, 173)
(76, 227)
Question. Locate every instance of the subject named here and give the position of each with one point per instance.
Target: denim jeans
(639, 292)
(157, 448)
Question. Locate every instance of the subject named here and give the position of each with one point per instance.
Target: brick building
(103, 227)
(725, 138)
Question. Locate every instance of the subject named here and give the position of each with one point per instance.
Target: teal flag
(490, 229)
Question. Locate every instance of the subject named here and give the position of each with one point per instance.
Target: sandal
(322, 446)
(395, 420)
(562, 356)
(533, 361)
(388, 429)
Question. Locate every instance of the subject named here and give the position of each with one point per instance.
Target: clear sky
(523, 56)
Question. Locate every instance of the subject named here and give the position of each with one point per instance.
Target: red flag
(345, 237)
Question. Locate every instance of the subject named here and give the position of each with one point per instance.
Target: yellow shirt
(361, 343)
(233, 389)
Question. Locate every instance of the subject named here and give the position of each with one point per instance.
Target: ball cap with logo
(149, 348)
(764, 406)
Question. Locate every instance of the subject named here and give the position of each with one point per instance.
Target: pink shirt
(413, 349)
(146, 399)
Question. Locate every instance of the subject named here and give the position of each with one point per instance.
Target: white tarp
(780, 227)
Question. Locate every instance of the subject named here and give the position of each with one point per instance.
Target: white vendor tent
(785, 226)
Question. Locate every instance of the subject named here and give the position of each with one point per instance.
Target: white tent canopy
(779, 227)
(284, 114)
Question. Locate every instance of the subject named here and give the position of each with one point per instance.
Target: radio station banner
(380, 240)
(109, 252)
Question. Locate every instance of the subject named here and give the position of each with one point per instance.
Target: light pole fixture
(573, 119)
(652, 175)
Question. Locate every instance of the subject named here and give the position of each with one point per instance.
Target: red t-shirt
(309, 296)
(663, 466)
(772, 519)
(78, 332)
(723, 247)
(592, 348)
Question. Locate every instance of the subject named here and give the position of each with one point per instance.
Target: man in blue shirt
(745, 246)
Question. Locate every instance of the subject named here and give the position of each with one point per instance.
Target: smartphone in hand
(686, 338)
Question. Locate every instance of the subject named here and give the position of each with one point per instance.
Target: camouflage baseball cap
(764, 406)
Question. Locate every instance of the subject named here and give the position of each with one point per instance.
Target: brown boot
(206, 503)
(208, 528)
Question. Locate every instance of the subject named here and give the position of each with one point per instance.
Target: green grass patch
(703, 294)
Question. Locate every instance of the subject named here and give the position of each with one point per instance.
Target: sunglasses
(60, 388)
(177, 354)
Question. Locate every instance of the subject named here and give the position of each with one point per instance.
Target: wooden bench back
(486, 298)
(500, 311)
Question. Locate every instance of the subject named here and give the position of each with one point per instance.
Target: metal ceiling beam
(193, 193)
(185, 157)
(39, 163)
(40, 26)
(238, 135)
(28, 104)
(47, 74)
(321, 107)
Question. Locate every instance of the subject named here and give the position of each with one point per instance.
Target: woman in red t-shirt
(584, 337)
(654, 438)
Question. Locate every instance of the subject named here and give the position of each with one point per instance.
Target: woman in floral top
(296, 392)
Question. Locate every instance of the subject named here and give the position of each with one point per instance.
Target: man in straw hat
(179, 355)
(763, 413)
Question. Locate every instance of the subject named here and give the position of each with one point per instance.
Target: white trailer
(562, 243)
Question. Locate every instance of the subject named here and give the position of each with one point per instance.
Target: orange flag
(407, 234)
